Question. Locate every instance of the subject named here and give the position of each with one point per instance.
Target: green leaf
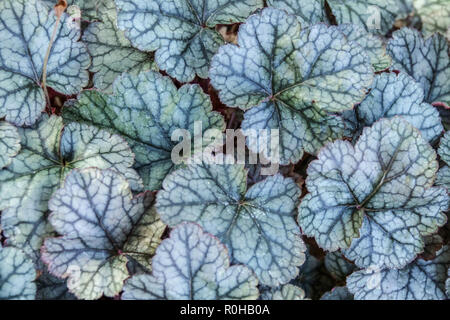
(112, 53)
(50, 287)
(146, 109)
(49, 151)
(257, 225)
(372, 44)
(285, 292)
(181, 31)
(25, 30)
(192, 265)
(338, 293)
(426, 60)
(337, 266)
(421, 280)
(16, 275)
(375, 197)
(308, 12)
(443, 176)
(99, 231)
(9, 143)
(399, 95)
(292, 79)
(435, 15)
(376, 16)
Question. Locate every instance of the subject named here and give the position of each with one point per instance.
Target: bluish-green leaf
(9, 143)
(434, 14)
(307, 12)
(284, 292)
(337, 293)
(443, 176)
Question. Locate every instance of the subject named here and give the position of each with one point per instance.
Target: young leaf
(308, 12)
(443, 176)
(257, 225)
(181, 31)
(50, 287)
(338, 293)
(285, 292)
(16, 275)
(9, 143)
(192, 265)
(292, 79)
(426, 60)
(377, 16)
(337, 266)
(112, 53)
(101, 225)
(146, 109)
(421, 280)
(48, 153)
(25, 29)
(375, 197)
(399, 95)
(434, 14)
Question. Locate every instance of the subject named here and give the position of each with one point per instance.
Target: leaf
(257, 225)
(146, 109)
(51, 288)
(25, 30)
(435, 15)
(112, 53)
(421, 280)
(373, 45)
(443, 176)
(285, 292)
(307, 12)
(9, 143)
(375, 197)
(192, 265)
(181, 31)
(376, 16)
(337, 293)
(291, 79)
(399, 95)
(426, 60)
(99, 231)
(49, 151)
(16, 275)
(337, 266)
(90, 9)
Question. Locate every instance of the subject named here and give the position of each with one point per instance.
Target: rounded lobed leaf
(257, 226)
(101, 226)
(338, 266)
(434, 14)
(307, 12)
(17, 275)
(375, 198)
(9, 143)
(421, 280)
(285, 292)
(192, 265)
(25, 29)
(50, 287)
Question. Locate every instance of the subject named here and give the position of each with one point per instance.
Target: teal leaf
(337, 293)
(49, 151)
(181, 31)
(292, 85)
(50, 287)
(420, 280)
(146, 109)
(284, 292)
(90, 9)
(16, 275)
(99, 231)
(192, 265)
(257, 224)
(434, 14)
(338, 266)
(426, 60)
(375, 198)
(25, 30)
(9, 143)
(307, 12)
(443, 176)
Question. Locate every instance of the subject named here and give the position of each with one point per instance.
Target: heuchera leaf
(434, 14)
(337, 293)
(9, 143)
(90, 9)
(257, 224)
(376, 16)
(307, 12)
(375, 197)
(426, 60)
(49, 151)
(421, 280)
(192, 265)
(112, 53)
(443, 176)
(25, 29)
(16, 275)
(145, 110)
(337, 266)
(398, 95)
(50, 287)
(101, 225)
(285, 292)
(181, 30)
(292, 80)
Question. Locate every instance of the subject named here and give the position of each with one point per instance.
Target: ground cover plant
(117, 179)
